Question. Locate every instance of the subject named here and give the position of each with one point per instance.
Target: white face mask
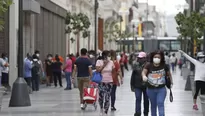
(37, 55)
(109, 58)
(156, 60)
(50, 58)
(91, 56)
(67, 58)
(35, 59)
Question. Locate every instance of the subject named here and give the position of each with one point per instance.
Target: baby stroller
(90, 95)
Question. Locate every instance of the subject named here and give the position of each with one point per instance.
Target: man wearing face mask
(199, 74)
(138, 86)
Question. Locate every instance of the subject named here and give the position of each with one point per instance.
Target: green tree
(4, 5)
(190, 26)
(77, 23)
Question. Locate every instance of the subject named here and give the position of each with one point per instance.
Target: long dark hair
(161, 53)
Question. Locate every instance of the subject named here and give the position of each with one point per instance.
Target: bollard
(2, 91)
(192, 82)
(188, 83)
(202, 97)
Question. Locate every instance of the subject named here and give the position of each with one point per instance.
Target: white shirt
(199, 68)
(173, 59)
(118, 58)
(2, 63)
(166, 59)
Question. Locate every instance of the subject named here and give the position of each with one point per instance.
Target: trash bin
(202, 97)
(2, 91)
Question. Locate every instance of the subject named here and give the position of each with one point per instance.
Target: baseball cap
(142, 55)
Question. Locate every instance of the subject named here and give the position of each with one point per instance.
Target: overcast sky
(169, 6)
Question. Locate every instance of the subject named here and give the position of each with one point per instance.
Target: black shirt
(156, 75)
(56, 66)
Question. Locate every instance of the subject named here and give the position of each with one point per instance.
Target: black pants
(35, 82)
(126, 66)
(57, 76)
(5, 79)
(113, 95)
(122, 70)
(28, 81)
(200, 85)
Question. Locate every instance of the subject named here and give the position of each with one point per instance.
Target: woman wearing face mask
(138, 86)
(48, 64)
(199, 75)
(106, 67)
(155, 73)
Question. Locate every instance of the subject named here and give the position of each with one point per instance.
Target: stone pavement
(57, 102)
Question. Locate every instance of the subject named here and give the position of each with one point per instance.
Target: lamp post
(20, 96)
(95, 20)
(134, 42)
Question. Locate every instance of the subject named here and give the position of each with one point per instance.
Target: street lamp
(134, 42)
(95, 20)
(20, 96)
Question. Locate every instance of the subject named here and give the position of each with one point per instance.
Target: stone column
(13, 36)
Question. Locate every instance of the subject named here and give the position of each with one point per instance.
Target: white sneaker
(81, 106)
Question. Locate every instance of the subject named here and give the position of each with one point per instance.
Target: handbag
(97, 76)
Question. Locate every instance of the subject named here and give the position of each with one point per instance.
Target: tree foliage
(190, 26)
(77, 23)
(4, 5)
(112, 32)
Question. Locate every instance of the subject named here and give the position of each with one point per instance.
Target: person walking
(199, 77)
(68, 70)
(106, 67)
(83, 67)
(116, 80)
(138, 86)
(57, 71)
(155, 74)
(173, 61)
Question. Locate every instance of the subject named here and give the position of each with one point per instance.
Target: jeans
(68, 80)
(113, 95)
(138, 95)
(157, 97)
(105, 90)
(35, 82)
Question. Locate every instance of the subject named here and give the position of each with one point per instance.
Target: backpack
(36, 68)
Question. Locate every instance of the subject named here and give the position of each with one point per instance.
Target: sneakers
(101, 112)
(195, 107)
(113, 109)
(82, 106)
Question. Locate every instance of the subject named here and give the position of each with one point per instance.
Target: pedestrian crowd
(151, 76)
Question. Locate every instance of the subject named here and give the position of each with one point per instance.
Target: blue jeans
(157, 97)
(138, 96)
(68, 80)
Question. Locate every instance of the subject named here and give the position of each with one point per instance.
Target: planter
(2, 91)
(202, 97)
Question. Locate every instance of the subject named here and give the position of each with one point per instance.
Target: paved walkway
(57, 102)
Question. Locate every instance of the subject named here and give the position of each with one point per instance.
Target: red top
(115, 73)
(73, 59)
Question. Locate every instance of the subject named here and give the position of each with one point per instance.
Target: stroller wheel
(85, 106)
